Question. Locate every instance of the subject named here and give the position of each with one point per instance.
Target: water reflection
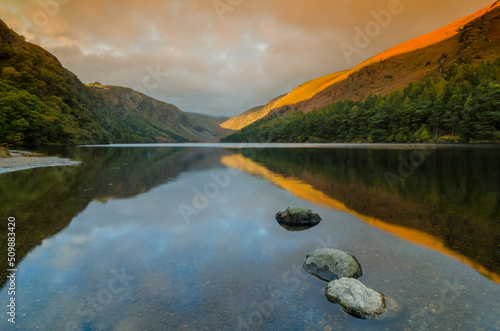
(45, 200)
(450, 203)
(294, 227)
(106, 246)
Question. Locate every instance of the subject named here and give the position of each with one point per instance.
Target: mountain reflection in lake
(177, 237)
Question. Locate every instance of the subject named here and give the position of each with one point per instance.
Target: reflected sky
(137, 262)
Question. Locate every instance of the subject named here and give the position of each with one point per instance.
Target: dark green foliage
(38, 98)
(463, 107)
(24, 118)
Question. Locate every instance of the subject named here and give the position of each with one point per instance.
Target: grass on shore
(4, 152)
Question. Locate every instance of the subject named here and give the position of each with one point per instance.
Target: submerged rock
(298, 216)
(355, 298)
(330, 264)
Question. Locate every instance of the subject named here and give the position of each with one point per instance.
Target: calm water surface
(184, 237)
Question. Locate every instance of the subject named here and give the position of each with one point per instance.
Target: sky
(221, 57)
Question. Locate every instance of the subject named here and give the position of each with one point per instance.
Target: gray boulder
(330, 264)
(355, 298)
(298, 216)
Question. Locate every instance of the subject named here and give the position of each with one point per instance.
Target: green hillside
(42, 103)
(132, 117)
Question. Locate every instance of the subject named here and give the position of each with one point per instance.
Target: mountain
(43, 103)
(205, 124)
(250, 115)
(301, 92)
(471, 40)
(149, 117)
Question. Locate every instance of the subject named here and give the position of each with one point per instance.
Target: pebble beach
(18, 161)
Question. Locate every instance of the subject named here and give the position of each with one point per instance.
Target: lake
(169, 237)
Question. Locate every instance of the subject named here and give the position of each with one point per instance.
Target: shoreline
(18, 162)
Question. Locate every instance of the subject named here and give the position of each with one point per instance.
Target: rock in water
(298, 216)
(355, 298)
(330, 264)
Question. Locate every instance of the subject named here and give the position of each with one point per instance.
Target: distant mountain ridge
(43, 103)
(211, 125)
(148, 112)
(472, 39)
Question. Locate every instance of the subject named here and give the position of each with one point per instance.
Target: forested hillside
(43, 103)
(40, 101)
(462, 107)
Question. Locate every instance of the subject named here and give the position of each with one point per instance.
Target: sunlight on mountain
(307, 90)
